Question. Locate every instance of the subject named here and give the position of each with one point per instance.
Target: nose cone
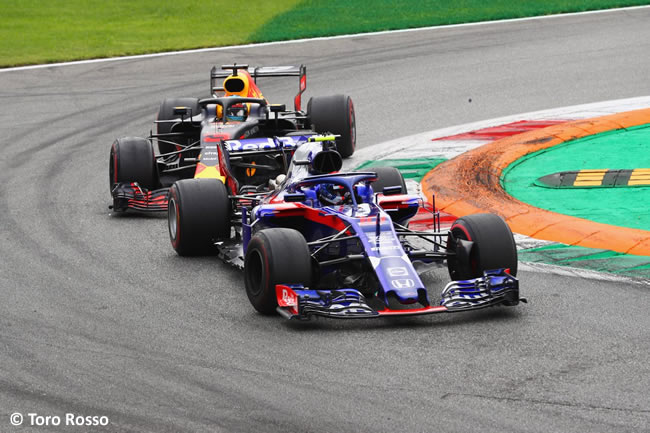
(405, 297)
(406, 301)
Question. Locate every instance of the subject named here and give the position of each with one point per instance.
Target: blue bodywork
(359, 234)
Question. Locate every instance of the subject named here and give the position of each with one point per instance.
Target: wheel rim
(460, 233)
(172, 217)
(253, 276)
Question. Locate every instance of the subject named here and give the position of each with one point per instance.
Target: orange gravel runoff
(471, 183)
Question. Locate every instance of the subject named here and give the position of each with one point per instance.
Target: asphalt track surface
(100, 317)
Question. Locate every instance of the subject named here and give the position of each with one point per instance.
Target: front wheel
(335, 115)
(132, 159)
(275, 256)
(493, 247)
(198, 215)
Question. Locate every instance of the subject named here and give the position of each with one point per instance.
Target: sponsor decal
(403, 283)
(398, 271)
(286, 296)
(238, 146)
(216, 137)
(386, 247)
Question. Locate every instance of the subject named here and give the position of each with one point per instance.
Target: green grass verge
(616, 149)
(414, 168)
(590, 259)
(323, 18)
(34, 31)
(59, 30)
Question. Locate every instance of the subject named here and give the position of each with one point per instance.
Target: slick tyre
(493, 246)
(198, 215)
(275, 256)
(334, 114)
(166, 112)
(388, 176)
(132, 159)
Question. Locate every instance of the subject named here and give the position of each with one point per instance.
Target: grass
(33, 31)
(313, 18)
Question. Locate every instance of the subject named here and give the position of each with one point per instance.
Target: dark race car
(338, 244)
(189, 132)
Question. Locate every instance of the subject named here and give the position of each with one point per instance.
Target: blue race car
(325, 243)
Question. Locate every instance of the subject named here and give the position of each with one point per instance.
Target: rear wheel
(275, 256)
(198, 215)
(166, 112)
(334, 114)
(388, 176)
(132, 159)
(493, 247)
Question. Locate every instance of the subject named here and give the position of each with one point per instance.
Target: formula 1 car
(189, 131)
(333, 244)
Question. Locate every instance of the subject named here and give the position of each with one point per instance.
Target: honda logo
(403, 283)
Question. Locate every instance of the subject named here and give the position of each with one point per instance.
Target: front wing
(496, 287)
(132, 196)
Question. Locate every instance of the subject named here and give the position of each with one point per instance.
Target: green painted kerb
(589, 258)
(619, 149)
(410, 168)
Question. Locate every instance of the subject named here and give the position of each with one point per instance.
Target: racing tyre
(388, 176)
(494, 247)
(166, 112)
(334, 114)
(275, 256)
(198, 215)
(132, 159)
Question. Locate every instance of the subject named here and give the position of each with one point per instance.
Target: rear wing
(263, 71)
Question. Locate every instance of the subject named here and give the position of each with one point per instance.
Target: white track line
(422, 142)
(324, 38)
(568, 271)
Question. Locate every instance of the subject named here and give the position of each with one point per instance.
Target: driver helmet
(332, 194)
(235, 113)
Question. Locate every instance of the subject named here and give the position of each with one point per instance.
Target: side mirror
(295, 197)
(278, 108)
(392, 190)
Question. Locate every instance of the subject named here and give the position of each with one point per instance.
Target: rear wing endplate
(262, 71)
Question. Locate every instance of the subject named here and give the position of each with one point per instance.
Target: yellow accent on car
(250, 171)
(323, 138)
(210, 172)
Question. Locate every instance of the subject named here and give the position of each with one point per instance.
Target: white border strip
(324, 38)
(423, 140)
(568, 271)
